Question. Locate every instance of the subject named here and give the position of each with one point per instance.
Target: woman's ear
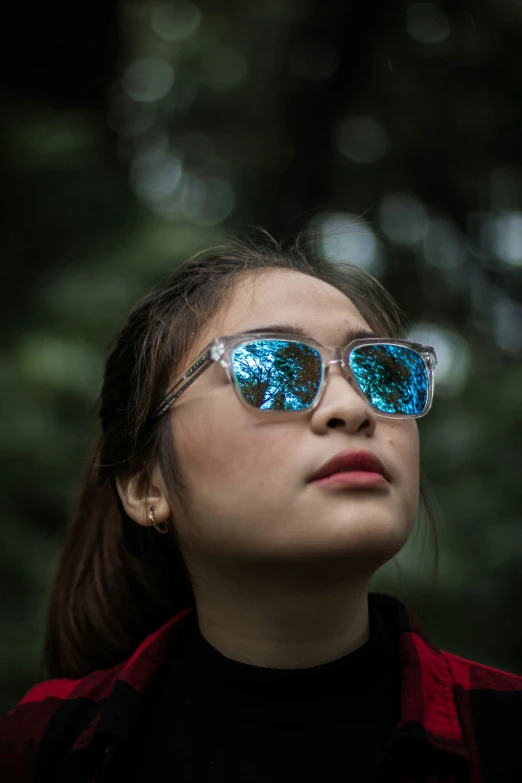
(137, 497)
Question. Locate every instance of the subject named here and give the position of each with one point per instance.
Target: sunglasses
(288, 374)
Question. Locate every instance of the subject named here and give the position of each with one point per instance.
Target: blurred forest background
(135, 133)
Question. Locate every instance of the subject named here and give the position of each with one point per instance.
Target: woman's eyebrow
(351, 334)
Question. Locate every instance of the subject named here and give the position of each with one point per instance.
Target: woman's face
(250, 501)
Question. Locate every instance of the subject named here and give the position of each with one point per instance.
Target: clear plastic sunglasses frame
(220, 350)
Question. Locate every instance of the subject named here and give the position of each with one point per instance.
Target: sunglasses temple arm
(201, 365)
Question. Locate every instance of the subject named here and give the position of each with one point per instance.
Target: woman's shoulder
(489, 699)
(62, 713)
(472, 674)
(24, 727)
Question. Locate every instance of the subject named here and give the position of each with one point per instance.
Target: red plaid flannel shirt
(464, 718)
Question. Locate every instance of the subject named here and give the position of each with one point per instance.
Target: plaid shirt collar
(428, 711)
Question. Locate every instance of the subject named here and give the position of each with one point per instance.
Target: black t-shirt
(211, 719)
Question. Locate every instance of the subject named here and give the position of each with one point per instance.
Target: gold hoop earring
(160, 527)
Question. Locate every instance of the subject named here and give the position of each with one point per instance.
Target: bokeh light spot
(362, 139)
(453, 356)
(403, 219)
(148, 80)
(505, 237)
(507, 324)
(176, 20)
(427, 23)
(155, 175)
(347, 238)
(444, 245)
(205, 201)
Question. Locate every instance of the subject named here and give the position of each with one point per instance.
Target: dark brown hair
(117, 581)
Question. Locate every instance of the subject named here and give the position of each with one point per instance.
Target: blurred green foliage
(390, 129)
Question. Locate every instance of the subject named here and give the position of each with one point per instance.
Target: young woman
(211, 620)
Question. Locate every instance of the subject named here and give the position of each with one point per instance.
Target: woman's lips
(352, 478)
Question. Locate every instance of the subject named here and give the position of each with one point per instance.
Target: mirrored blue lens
(393, 378)
(277, 374)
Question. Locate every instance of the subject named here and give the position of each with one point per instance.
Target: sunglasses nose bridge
(345, 368)
(346, 372)
(327, 365)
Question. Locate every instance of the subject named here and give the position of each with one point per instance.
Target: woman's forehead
(285, 296)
